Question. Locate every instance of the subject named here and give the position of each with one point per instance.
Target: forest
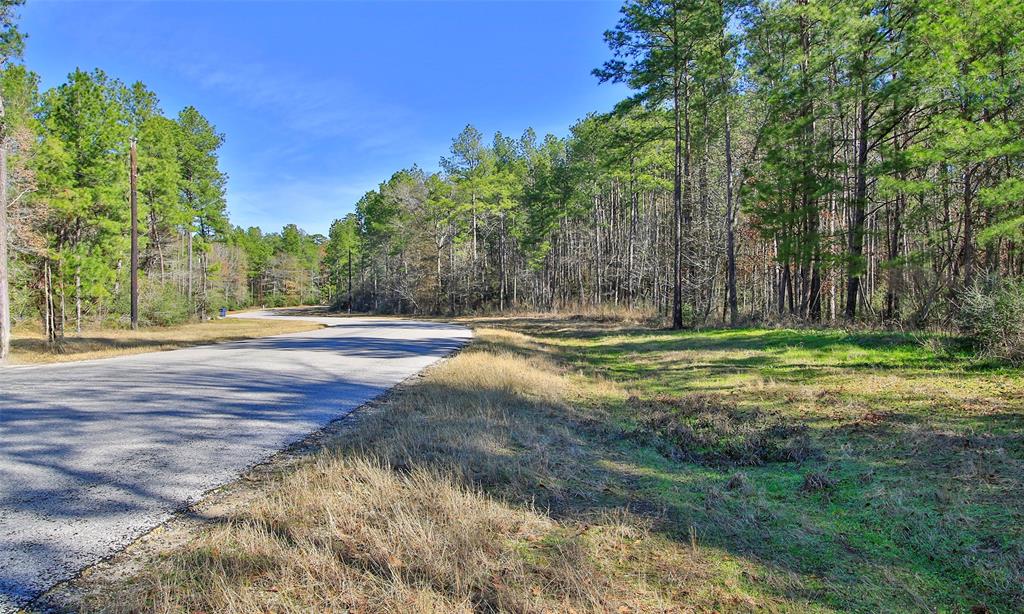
(70, 221)
(812, 161)
(65, 260)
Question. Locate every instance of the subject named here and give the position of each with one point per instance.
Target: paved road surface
(93, 454)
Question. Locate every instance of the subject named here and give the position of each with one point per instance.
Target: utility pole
(135, 236)
(5, 289)
(350, 280)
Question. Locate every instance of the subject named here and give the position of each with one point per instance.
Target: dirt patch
(709, 430)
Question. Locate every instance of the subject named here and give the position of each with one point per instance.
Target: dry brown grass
(468, 491)
(604, 313)
(30, 347)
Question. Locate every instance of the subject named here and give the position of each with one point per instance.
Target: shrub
(992, 316)
(163, 305)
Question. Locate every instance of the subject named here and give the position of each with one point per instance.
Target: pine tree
(654, 47)
(202, 195)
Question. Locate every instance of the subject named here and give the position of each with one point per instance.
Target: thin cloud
(314, 107)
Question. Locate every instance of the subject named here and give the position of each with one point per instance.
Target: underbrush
(992, 314)
(164, 305)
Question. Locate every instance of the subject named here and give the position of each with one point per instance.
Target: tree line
(804, 159)
(65, 223)
(819, 160)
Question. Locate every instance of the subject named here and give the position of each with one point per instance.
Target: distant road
(95, 453)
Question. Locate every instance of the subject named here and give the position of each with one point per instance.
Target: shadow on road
(96, 453)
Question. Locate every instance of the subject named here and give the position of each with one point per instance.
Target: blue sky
(321, 101)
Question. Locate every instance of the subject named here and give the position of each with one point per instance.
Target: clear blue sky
(321, 101)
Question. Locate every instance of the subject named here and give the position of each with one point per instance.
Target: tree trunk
(730, 225)
(686, 232)
(134, 203)
(858, 215)
(967, 251)
(191, 302)
(677, 216)
(78, 298)
(633, 197)
(501, 264)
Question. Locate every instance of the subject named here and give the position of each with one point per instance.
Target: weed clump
(709, 430)
(739, 482)
(817, 481)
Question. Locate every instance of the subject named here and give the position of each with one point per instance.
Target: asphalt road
(93, 454)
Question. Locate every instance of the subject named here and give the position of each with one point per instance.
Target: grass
(29, 346)
(576, 465)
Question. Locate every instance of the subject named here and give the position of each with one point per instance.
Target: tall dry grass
(465, 492)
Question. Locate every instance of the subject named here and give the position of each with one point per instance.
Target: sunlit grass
(924, 443)
(443, 501)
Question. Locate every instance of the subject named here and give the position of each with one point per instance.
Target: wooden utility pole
(191, 302)
(350, 280)
(135, 236)
(5, 296)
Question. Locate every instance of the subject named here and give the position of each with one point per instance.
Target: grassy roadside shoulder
(30, 347)
(561, 465)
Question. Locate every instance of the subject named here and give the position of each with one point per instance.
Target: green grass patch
(910, 497)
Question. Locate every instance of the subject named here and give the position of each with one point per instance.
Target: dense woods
(811, 160)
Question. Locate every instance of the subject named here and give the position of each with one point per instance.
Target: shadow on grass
(918, 514)
(877, 539)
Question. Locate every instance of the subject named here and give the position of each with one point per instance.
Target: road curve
(95, 453)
